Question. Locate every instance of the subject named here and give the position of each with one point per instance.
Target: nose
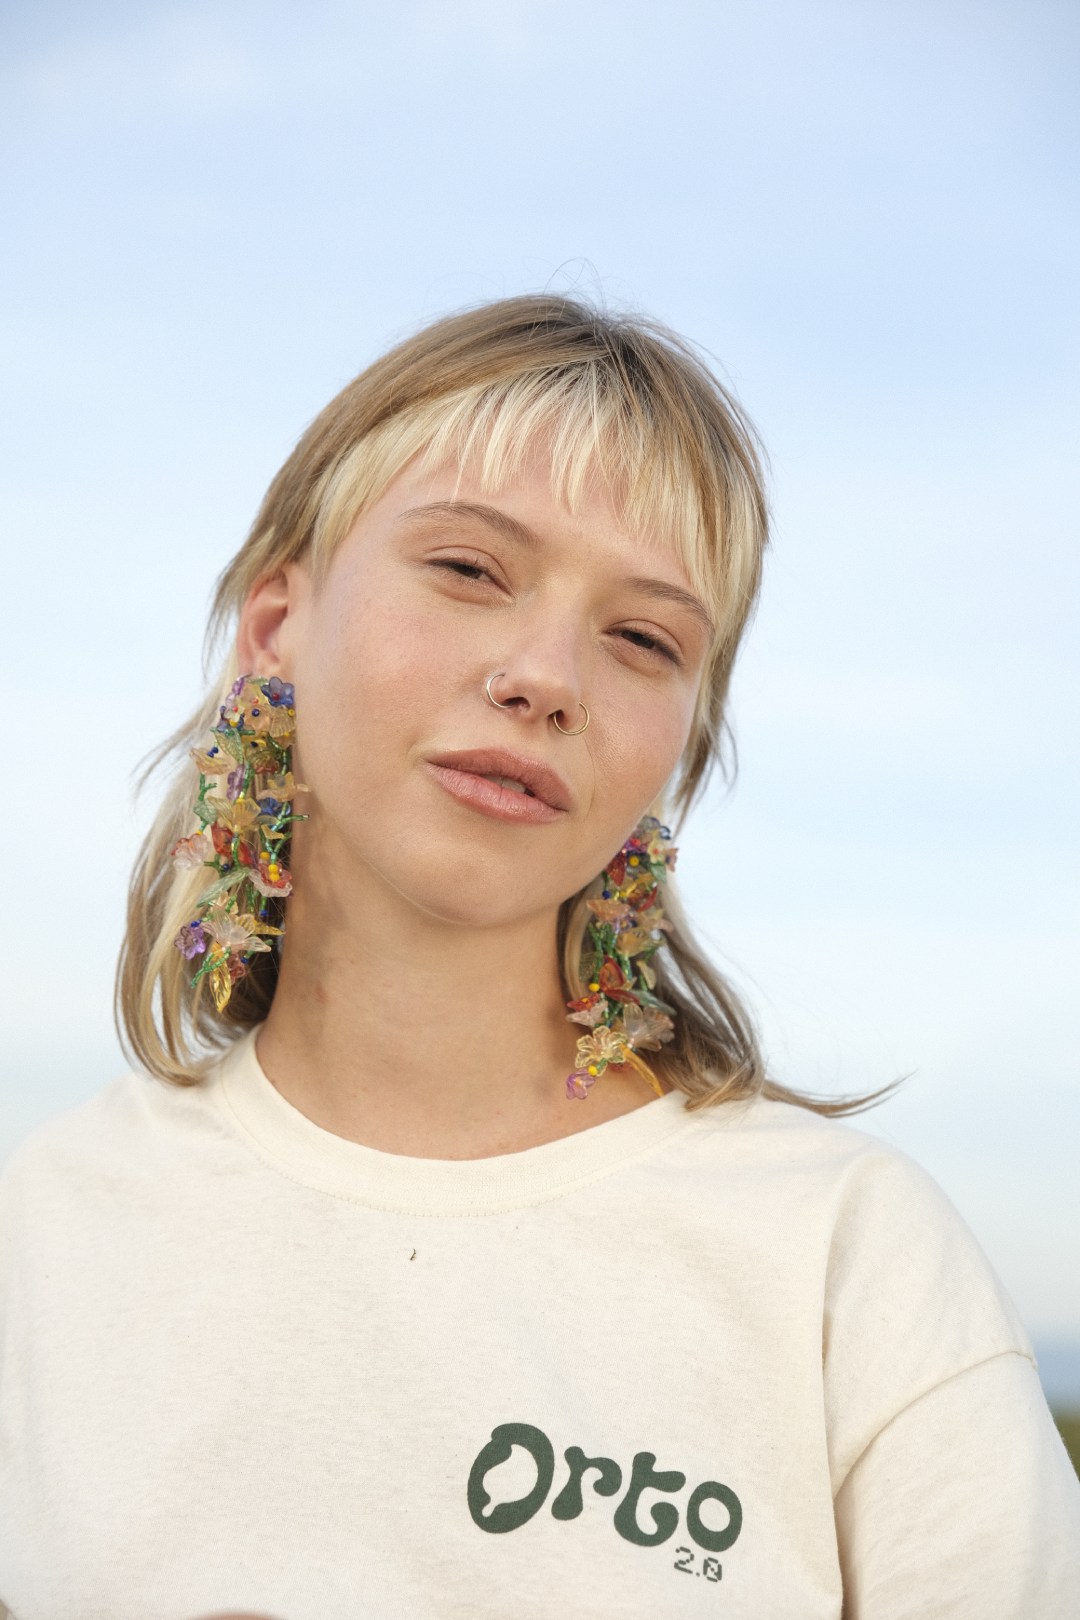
(538, 679)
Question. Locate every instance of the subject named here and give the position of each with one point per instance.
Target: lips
(477, 778)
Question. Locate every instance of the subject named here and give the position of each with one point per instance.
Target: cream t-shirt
(739, 1364)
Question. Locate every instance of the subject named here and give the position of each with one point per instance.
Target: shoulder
(891, 1226)
(133, 1128)
(135, 1156)
(66, 1139)
(891, 1219)
(911, 1301)
(907, 1296)
(809, 1157)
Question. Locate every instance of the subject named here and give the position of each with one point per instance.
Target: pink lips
(464, 775)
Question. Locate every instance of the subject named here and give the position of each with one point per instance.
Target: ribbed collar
(302, 1150)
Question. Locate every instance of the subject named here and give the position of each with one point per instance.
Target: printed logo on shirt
(568, 1502)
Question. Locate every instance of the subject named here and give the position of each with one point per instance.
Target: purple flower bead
(191, 940)
(280, 693)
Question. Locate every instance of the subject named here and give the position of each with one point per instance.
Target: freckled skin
(389, 659)
(405, 900)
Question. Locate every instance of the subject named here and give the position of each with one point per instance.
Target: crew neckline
(292, 1143)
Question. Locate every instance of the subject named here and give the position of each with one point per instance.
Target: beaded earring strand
(244, 809)
(627, 929)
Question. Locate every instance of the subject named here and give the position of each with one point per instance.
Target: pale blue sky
(867, 212)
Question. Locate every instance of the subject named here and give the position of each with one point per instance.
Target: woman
(447, 1251)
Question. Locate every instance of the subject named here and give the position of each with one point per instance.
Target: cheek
(632, 765)
(639, 749)
(361, 676)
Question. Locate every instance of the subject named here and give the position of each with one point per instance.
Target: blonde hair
(617, 397)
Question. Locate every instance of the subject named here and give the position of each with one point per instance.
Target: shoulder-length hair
(614, 395)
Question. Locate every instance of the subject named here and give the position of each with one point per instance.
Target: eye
(462, 568)
(652, 645)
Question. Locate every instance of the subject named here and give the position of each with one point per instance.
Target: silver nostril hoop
(487, 689)
(563, 729)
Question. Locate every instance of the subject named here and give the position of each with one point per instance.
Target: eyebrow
(506, 525)
(520, 534)
(663, 591)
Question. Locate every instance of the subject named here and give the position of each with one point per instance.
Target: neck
(425, 1037)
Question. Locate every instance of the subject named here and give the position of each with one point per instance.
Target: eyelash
(454, 562)
(660, 648)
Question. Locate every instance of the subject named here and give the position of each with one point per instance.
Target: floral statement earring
(627, 929)
(244, 809)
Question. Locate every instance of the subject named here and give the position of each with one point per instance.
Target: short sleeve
(965, 1506)
(910, 1301)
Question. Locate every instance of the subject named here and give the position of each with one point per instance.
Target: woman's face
(435, 588)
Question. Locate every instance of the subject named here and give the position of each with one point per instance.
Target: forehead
(530, 505)
(627, 495)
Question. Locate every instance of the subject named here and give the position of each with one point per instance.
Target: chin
(469, 890)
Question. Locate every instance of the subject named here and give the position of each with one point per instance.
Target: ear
(271, 621)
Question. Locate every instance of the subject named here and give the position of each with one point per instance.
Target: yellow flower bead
(593, 1069)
